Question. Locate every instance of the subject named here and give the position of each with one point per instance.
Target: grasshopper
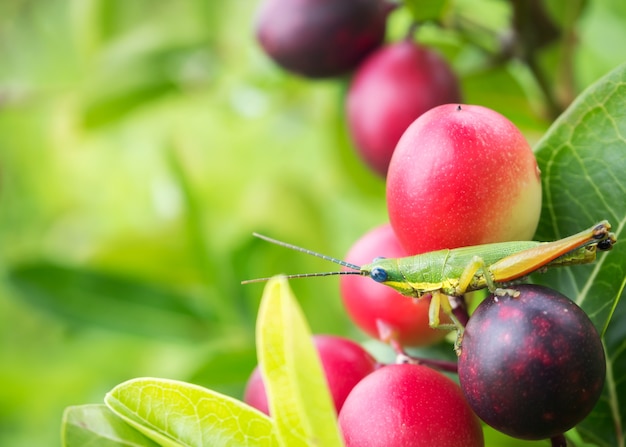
(445, 275)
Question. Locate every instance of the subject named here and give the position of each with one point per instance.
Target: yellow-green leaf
(298, 394)
(427, 10)
(178, 414)
(96, 425)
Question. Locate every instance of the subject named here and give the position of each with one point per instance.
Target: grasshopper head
(385, 271)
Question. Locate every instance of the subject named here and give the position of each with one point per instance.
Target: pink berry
(394, 85)
(344, 362)
(462, 175)
(408, 405)
(379, 310)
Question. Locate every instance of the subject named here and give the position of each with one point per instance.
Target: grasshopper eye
(378, 274)
(606, 244)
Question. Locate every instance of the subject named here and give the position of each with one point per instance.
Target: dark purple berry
(320, 38)
(531, 366)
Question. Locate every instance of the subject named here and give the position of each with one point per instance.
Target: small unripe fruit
(390, 89)
(532, 366)
(462, 175)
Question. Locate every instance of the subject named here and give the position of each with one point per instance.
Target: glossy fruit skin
(390, 89)
(462, 175)
(344, 362)
(407, 405)
(376, 308)
(320, 38)
(533, 366)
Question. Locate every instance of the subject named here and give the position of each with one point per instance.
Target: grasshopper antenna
(356, 269)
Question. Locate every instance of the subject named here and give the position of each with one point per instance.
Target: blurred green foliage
(142, 142)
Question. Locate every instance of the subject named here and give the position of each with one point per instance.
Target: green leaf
(423, 10)
(88, 297)
(583, 160)
(178, 414)
(116, 105)
(97, 426)
(494, 438)
(298, 395)
(132, 80)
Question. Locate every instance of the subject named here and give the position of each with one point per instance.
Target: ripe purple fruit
(320, 38)
(532, 366)
(391, 88)
(408, 405)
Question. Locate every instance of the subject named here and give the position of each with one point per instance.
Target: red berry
(344, 362)
(391, 88)
(373, 306)
(462, 175)
(408, 405)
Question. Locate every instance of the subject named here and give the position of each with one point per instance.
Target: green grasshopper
(447, 274)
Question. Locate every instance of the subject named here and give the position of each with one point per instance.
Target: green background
(142, 142)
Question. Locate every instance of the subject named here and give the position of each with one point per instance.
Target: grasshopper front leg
(441, 302)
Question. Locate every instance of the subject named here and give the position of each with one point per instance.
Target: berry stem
(403, 357)
(558, 441)
(410, 34)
